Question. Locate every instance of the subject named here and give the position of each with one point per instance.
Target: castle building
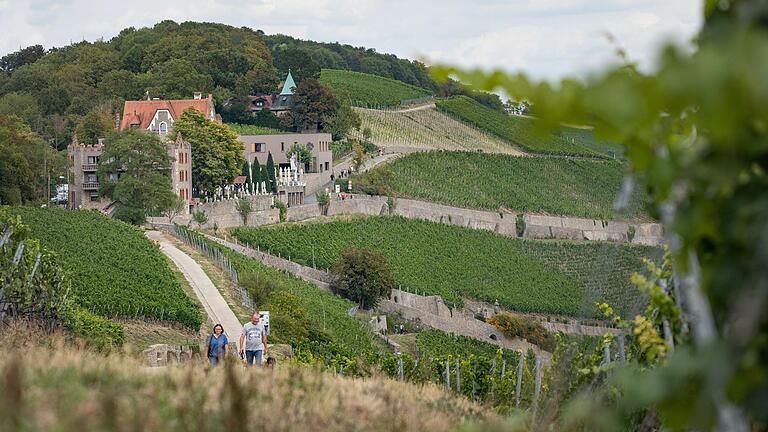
(84, 184)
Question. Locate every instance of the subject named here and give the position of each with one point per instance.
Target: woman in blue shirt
(217, 345)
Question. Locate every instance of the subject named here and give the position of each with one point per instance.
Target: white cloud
(547, 38)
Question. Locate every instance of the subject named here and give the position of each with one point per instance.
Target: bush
(288, 319)
(530, 330)
(98, 332)
(520, 224)
(257, 287)
(283, 210)
(363, 276)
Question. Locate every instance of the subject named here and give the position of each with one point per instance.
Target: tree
(246, 171)
(244, 207)
(174, 207)
(257, 176)
(270, 175)
(258, 288)
(296, 60)
(177, 79)
(323, 201)
(133, 171)
(200, 217)
(22, 105)
(217, 155)
(363, 276)
(261, 79)
(341, 121)
(311, 103)
(14, 60)
(358, 156)
(705, 168)
(96, 124)
(27, 162)
(303, 155)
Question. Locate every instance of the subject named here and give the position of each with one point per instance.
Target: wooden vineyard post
(458, 376)
(537, 384)
(622, 353)
(519, 385)
(447, 374)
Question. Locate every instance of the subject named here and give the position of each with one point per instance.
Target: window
(93, 159)
(261, 147)
(113, 177)
(163, 128)
(282, 146)
(94, 197)
(91, 178)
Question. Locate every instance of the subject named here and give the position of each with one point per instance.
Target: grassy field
(58, 388)
(453, 262)
(520, 130)
(369, 90)
(115, 270)
(585, 188)
(427, 129)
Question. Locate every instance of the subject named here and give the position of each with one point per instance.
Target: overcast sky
(545, 38)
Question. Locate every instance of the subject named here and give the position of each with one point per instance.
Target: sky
(548, 39)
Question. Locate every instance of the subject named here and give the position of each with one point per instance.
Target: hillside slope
(369, 90)
(115, 270)
(454, 262)
(426, 128)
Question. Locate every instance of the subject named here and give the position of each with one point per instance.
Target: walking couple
(253, 342)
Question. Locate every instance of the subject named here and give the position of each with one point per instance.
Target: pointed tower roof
(289, 85)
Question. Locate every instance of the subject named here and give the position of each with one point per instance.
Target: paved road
(369, 164)
(215, 306)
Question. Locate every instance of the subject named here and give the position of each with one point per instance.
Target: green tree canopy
(217, 155)
(303, 155)
(96, 124)
(311, 103)
(363, 276)
(177, 79)
(141, 163)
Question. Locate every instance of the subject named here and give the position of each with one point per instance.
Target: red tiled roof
(240, 180)
(143, 111)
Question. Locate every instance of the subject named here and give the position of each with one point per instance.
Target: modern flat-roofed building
(258, 147)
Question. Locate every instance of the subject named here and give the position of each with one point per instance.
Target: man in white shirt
(253, 340)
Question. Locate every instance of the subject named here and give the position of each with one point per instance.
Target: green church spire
(289, 85)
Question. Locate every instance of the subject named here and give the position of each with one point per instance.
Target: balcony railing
(91, 186)
(89, 167)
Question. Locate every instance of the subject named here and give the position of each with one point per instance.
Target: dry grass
(139, 334)
(50, 385)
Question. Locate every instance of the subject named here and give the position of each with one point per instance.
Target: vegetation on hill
(453, 262)
(427, 129)
(436, 343)
(584, 188)
(313, 320)
(115, 270)
(247, 129)
(369, 90)
(518, 130)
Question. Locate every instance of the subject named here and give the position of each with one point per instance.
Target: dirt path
(215, 306)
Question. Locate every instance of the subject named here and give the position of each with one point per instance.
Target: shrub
(530, 330)
(391, 204)
(520, 224)
(200, 217)
(283, 210)
(630, 233)
(244, 207)
(97, 332)
(288, 319)
(257, 287)
(363, 276)
(323, 200)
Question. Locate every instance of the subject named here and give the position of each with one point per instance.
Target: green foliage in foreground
(519, 130)
(247, 129)
(451, 261)
(369, 90)
(115, 270)
(584, 188)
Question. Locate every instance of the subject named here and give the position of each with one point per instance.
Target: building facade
(84, 184)
(158, 116)
(258, 147)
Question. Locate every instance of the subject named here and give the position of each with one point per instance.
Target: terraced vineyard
(585, 188)
(115, 270)
(369, 90)
(326, 312)
(427, 129)
(519, 130)
(453, 262)
(586, 137)
(435, 343)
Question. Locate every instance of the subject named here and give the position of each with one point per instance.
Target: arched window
(163, 128)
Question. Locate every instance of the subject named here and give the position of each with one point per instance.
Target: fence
(217, 257)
